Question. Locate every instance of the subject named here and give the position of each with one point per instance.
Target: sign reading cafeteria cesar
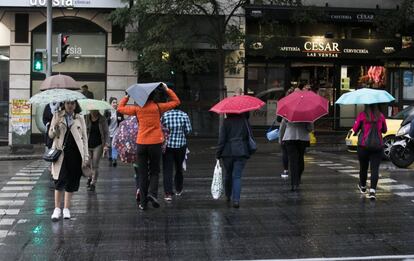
(320, 47)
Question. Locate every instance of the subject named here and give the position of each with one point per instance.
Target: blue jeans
(113, 153)
(232, 182)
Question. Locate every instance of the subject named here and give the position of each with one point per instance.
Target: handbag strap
(273, 124)
(66, 134)
(248, 128)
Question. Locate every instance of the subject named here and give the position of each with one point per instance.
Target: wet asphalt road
(328, 217)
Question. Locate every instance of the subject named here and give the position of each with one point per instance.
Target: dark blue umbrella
(140, 91)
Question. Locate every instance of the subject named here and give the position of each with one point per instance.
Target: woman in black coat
(233, 148)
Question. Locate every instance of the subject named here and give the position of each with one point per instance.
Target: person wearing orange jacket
(149, 140)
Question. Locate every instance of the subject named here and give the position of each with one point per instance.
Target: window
(408, 85)
(266, 82)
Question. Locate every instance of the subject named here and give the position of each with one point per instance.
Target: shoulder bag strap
(66, 134)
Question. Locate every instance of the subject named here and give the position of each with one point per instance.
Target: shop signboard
(65, 3)
(321, 47)
(20, 121)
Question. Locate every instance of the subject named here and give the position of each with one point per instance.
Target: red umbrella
(302, 106)
(237, 104)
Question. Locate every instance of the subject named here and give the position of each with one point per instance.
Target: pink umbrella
(59, 81)
(302, 106)
(238, 104)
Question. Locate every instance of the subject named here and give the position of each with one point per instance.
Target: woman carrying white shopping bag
(217, 183)
(234, 148)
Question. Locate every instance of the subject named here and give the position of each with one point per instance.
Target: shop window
(118, 34)
(22, 28)
(266, 83)
(408, 85)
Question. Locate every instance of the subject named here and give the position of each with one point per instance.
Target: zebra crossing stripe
(26, 178)
(387, 180)
(9, 211)
(11, 202)
(349, 171)
(396, 187)
(29, 174)
(341, 167)
(21, 182)
(17, 188)
(7, 221)
(405, 194)
(3, 233)
(330, 164)
(14, 195)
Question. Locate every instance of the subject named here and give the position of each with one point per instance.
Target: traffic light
(62, 47)
(38, 62)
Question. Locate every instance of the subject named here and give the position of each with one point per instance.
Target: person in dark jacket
(233, 148)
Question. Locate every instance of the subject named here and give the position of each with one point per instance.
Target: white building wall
(120, 73)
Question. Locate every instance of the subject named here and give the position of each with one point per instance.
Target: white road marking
(386, 180)
(29, 174)
(14, 195)
(11, 202)
(17, 188)
(390, 257)
(405, 194)
(395, 187)
(25, 178)
(330, 164)
(319, 161)
(22, 221)
(3, 233)
(341, 167)
(9, 211)
(349, 171)
(21, 182)
(7, 221)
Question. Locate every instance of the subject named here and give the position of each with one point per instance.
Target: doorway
(320, 78)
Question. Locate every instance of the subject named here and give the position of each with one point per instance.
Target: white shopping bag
(217, 183)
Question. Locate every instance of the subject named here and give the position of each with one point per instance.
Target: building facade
(329, 45)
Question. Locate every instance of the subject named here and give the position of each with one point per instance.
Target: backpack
(373, 140)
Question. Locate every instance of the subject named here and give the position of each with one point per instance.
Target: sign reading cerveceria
(320, 47)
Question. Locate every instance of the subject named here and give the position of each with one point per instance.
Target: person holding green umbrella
(68, 131)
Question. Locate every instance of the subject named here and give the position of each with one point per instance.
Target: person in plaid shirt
(179, 126)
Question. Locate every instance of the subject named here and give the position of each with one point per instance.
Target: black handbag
(53, 154)
(251, 142)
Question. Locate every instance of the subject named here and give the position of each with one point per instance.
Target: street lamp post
(49, 38)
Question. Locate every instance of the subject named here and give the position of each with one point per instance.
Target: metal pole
(49, 38)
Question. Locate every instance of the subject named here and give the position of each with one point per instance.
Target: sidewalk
(325, 142)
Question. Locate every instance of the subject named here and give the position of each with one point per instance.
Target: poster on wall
(20, 121)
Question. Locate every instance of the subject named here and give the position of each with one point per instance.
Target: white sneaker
(284, 174)
(66, 213)
(56, 214)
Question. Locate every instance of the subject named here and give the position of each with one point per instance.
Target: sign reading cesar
(320, 47)
(65, 3)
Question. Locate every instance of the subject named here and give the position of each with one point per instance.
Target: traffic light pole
(49, 38)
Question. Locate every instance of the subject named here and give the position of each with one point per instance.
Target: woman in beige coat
(68, 131)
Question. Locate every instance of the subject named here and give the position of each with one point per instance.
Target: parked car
(393, 124)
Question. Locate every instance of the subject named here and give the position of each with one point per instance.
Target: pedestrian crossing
(387, 184)
(14, 194)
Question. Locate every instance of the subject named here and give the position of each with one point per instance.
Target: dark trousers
(171, 157)
(368, 157)
(149, 157)
(232, 181)
(296, 154)
(285, 158)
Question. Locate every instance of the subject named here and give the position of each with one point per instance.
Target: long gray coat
(57, 132)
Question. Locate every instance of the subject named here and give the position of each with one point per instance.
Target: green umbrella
(88, 105)
(56, 95)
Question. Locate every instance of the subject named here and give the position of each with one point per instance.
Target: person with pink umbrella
(234, 147)
(300, 109)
